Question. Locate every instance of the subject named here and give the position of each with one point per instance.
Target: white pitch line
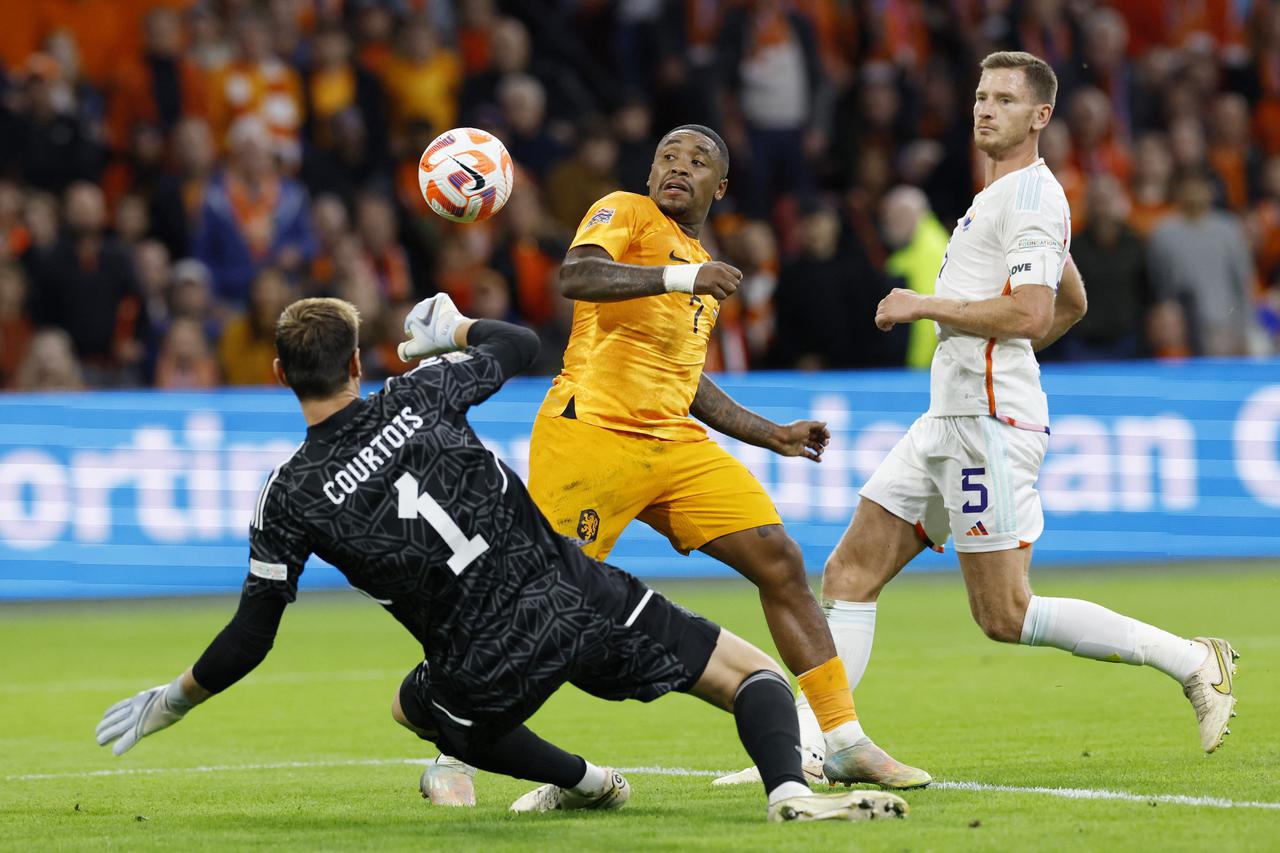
(1103, 794)
(1064, 793)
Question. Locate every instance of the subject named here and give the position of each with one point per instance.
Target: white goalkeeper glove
(431, 326)
(129, 720)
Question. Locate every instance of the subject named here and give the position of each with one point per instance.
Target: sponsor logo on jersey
(588, 525)
(968, 220)
(978, 530)
(601, 216)
(677, 258)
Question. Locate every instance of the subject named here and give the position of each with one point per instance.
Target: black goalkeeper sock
(765, 711)
(522, 754)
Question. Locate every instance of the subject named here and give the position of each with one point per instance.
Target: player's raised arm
(1069, 306)
(719, 411)
(590, 274)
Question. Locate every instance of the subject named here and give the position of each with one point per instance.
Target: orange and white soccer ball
(466, 174)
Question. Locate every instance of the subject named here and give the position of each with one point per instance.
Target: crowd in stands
(174, 172)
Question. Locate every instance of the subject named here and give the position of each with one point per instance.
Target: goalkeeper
(397, 491)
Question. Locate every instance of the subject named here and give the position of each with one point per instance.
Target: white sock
(787, 790)
(593, 781)
(1089, 630)
(853, 627)
(845, 734)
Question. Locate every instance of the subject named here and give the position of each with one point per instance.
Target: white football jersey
(1016, 232)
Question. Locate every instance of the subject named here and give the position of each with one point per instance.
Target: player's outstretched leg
(1004, 607)
(742, 679)
(850, 623)
(770, 559)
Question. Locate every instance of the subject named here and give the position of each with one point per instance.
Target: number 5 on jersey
(414, 504)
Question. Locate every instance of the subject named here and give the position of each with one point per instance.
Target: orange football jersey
(634, 365)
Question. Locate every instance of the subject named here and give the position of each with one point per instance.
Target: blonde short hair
(315, 339)
(1040, 77)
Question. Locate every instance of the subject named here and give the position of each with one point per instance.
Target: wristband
(679, 278)
(175, 699)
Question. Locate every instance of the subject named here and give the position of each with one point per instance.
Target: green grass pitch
(303, 754)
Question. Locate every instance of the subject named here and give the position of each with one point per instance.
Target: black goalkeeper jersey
(397, 491)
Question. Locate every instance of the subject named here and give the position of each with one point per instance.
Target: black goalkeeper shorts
(586, 623)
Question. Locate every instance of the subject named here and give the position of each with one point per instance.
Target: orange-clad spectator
(475, 31)
(1173, 22)
(329, 216)
(1231, 153)
(248, 345)
(186, 360)
(1055, 148)
(158, 86)
(337, 83)
(16, 328)
(376, 224)
(376, 26)
(423, 79)
(528, 256)
(256, 82)
(1096, 146)
(1263, 223)
(590, 174)
(15, 237)
(903, 36)
(1150, 188)
(103, 30)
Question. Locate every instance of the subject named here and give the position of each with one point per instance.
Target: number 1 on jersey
(413, 504)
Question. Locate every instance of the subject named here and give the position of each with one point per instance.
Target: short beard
(676, 211)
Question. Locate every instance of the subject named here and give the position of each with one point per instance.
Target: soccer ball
(466, 174)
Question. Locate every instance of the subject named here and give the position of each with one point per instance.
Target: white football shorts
(970, 477)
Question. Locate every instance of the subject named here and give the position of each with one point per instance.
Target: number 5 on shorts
(977, 488)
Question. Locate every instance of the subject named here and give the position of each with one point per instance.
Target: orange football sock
(827, 688)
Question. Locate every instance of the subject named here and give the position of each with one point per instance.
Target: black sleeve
(278, 551)
(243, 643)
(515, 347)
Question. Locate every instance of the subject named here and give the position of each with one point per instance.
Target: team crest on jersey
(600, 217)
(588, 525)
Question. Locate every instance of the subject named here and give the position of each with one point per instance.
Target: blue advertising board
(138, 493)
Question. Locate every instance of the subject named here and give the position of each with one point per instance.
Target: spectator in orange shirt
(257, 83)
(1232, 155)
(248, 347)
(157, 87)
(1096, 147)
(16, 328)
(423, 79)
(335, 84)
(1151, 187)
(590, 174)
(528, 257)
(376, 224)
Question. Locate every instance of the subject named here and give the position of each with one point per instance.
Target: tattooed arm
(590, 274)
(717, 410)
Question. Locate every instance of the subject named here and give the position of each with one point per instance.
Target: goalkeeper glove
(129, 720)
(431, 326)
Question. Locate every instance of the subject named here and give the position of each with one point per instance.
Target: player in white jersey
(967, 468)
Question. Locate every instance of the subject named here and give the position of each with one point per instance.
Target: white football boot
(549, 798)
(866, 762)
(852, 805)
(448, 782)
(811, 764)
(1211, 691)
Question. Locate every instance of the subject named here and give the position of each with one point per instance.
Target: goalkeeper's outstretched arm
(233, 654)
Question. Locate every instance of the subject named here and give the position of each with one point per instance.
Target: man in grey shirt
(1198, 257)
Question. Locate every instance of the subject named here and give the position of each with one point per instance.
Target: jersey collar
(335, 422)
